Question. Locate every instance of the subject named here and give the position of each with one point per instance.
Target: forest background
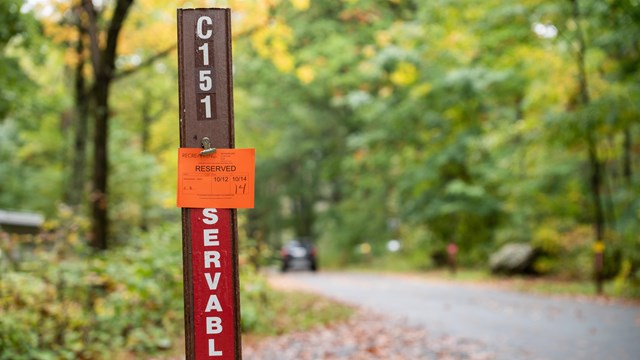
(478, 123)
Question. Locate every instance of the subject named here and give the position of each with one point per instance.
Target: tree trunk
(595, 166)
(147, 120)
(99, 200)
(77, 178)
(104, 67)
(626, 161)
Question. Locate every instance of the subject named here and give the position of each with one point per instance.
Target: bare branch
(148, 62)
(110, 51)
(92, 29)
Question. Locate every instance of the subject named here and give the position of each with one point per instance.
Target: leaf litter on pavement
(365, 336)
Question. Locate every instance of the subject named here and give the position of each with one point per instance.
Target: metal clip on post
(206, 144)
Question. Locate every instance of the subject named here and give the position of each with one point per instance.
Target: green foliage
(32, 137)
(64, 303)
(16, 31)
(558, 242)
(436, 123)
(131, 205)
(58, 300)
(255, 300)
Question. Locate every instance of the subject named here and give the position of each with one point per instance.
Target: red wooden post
(210, 247)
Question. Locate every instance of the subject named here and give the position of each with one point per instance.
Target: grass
(529, 284)
(293, 311)
(535, 285)
(561, 287)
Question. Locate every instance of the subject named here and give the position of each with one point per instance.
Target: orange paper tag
(224, 179)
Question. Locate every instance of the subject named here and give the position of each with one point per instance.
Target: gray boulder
(514, 258)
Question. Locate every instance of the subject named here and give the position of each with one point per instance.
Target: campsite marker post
(209, 235)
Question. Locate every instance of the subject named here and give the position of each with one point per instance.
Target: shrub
(63, 302)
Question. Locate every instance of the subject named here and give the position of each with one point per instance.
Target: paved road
(513, 325)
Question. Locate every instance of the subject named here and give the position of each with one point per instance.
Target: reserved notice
(224, 179)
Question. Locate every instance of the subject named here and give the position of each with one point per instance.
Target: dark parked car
(298, 255)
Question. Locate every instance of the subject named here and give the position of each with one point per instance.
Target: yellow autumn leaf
(283, 61)
(73, 238)
(259, 41)
(404, 74)
(281, 30)
(383, 38)
(301, 5)
(421, 90)
(50, 225)
(368, 51)
(385, 92)
(103, 309)
(305, 74)
(273, 43)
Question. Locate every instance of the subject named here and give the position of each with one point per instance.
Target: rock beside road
(513, 259)
(366, 336)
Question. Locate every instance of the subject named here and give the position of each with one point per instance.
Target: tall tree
(81, 116)
(595, 165)
(103, 56)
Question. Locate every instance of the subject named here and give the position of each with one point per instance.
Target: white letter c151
(204, 35)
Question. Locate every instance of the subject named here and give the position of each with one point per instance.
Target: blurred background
(394, 135)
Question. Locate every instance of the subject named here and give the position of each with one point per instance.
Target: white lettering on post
(210, 216)
(213, 303)
(213, 284)
(209, 236)
(201, 21)
(212, 349)
(211, 257)
(214, 325)
(205, 53)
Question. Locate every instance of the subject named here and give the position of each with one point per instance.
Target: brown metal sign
(210, 249)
